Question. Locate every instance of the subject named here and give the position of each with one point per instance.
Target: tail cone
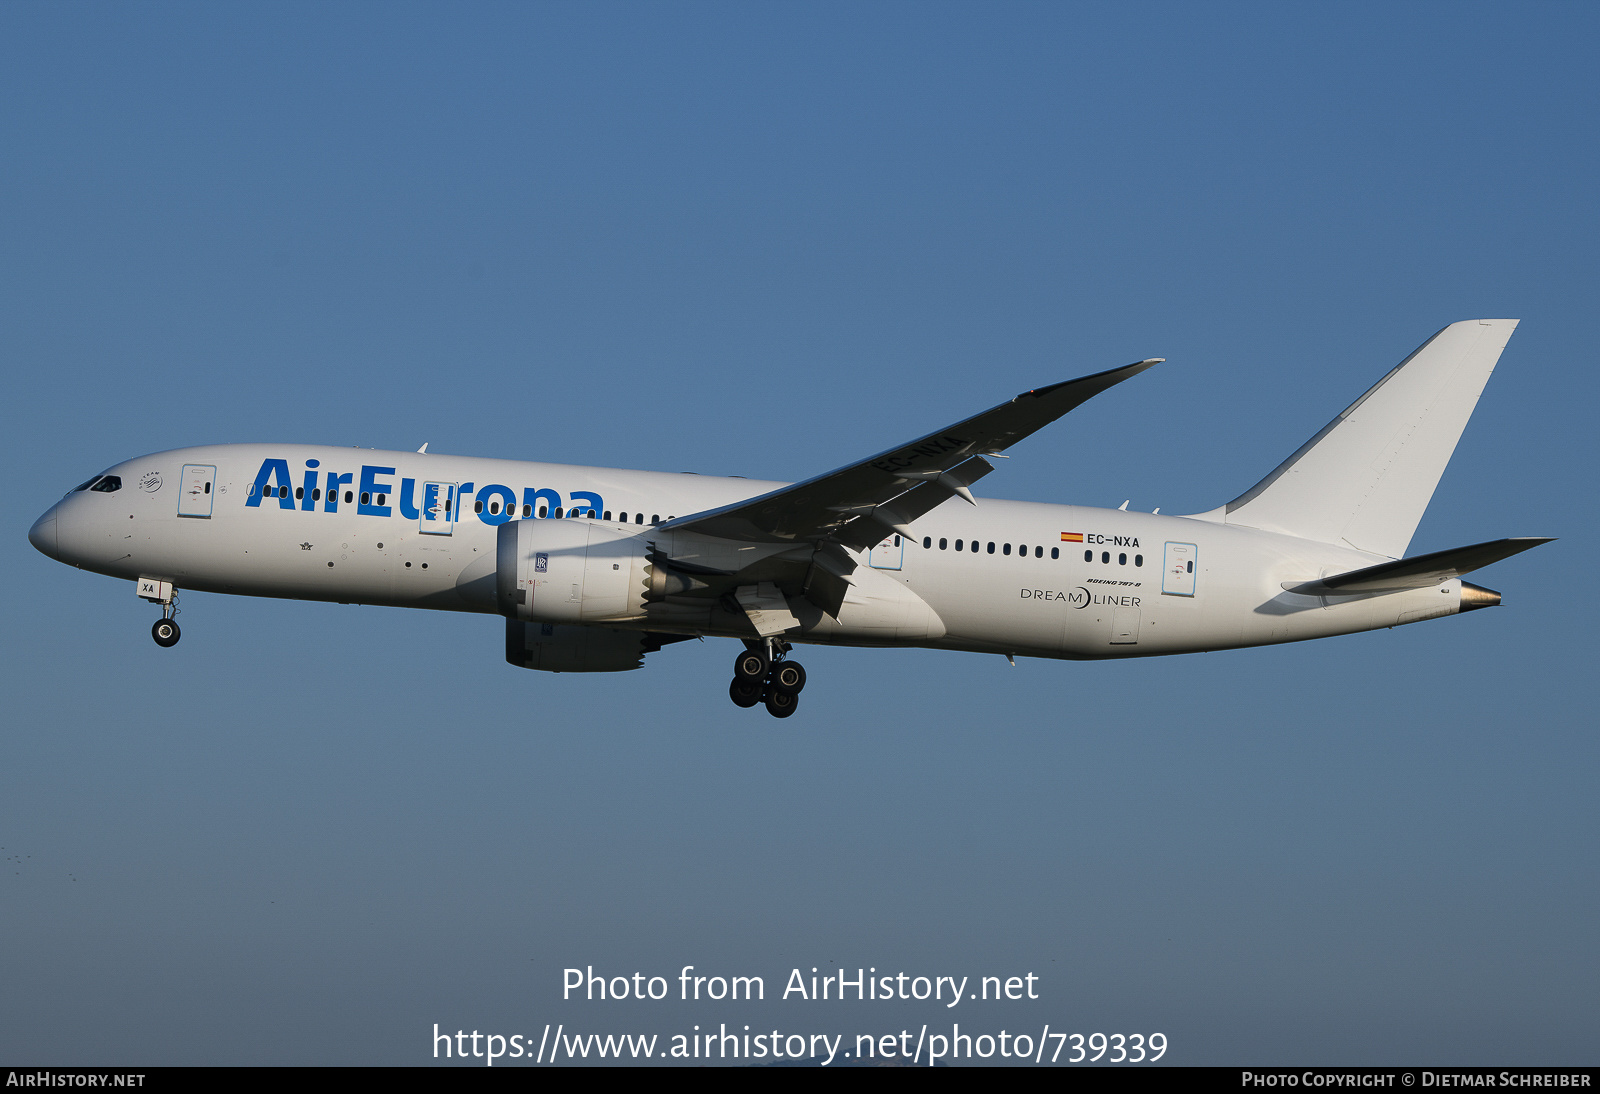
(1474, 597)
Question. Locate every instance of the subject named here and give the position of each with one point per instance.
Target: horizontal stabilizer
(1419, 572)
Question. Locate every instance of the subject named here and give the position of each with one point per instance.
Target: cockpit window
(108, 484)
(84, 486)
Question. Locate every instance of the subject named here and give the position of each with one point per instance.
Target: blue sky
(765, 240)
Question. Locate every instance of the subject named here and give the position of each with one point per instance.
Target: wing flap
(767, 609)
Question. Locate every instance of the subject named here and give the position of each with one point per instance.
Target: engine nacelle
(569, 571)
(556, 648)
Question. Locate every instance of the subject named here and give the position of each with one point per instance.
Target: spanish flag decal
(1071, 537)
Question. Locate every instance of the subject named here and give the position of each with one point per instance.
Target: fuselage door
(890, 554)
(195, 488)
(1177, 575)
(438, 508)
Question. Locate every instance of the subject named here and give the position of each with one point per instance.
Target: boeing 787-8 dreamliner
(594, 568)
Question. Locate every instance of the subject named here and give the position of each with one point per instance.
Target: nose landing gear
(165, 631)
(761, 675)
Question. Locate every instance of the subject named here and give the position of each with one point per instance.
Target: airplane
(595, 568)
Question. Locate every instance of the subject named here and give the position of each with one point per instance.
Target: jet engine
(570, 571)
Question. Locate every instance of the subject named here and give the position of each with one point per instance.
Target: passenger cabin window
(107, 484)
(1055, 552)
(1005, 550)
(299, 492)
(991, 547)
(366, 499)
(927, 542)
(1038, 552)
(316, 494)
(1088, 556)
(655, 518)
(638, 518)
(944, 544)
(958, 545)
(607, 516)
(1138, 560)
(477, 506)
(1105, 558)
(1122, 560)
(347, 495)
(544, 510)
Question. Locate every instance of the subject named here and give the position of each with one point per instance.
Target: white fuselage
(1046, 580)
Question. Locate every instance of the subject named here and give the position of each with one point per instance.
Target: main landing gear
(759, 678)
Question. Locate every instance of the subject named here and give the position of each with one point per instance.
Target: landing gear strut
(761, 674)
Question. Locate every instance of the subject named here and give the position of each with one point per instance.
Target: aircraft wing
(861, 503)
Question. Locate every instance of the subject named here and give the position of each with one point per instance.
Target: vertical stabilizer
(1366, 477)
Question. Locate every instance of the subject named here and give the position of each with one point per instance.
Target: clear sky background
(767, 240)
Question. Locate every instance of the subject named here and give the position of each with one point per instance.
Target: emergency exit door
(437, 509)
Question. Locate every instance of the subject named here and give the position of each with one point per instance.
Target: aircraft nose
(43, 534)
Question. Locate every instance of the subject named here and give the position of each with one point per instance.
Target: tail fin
(1366, 478)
